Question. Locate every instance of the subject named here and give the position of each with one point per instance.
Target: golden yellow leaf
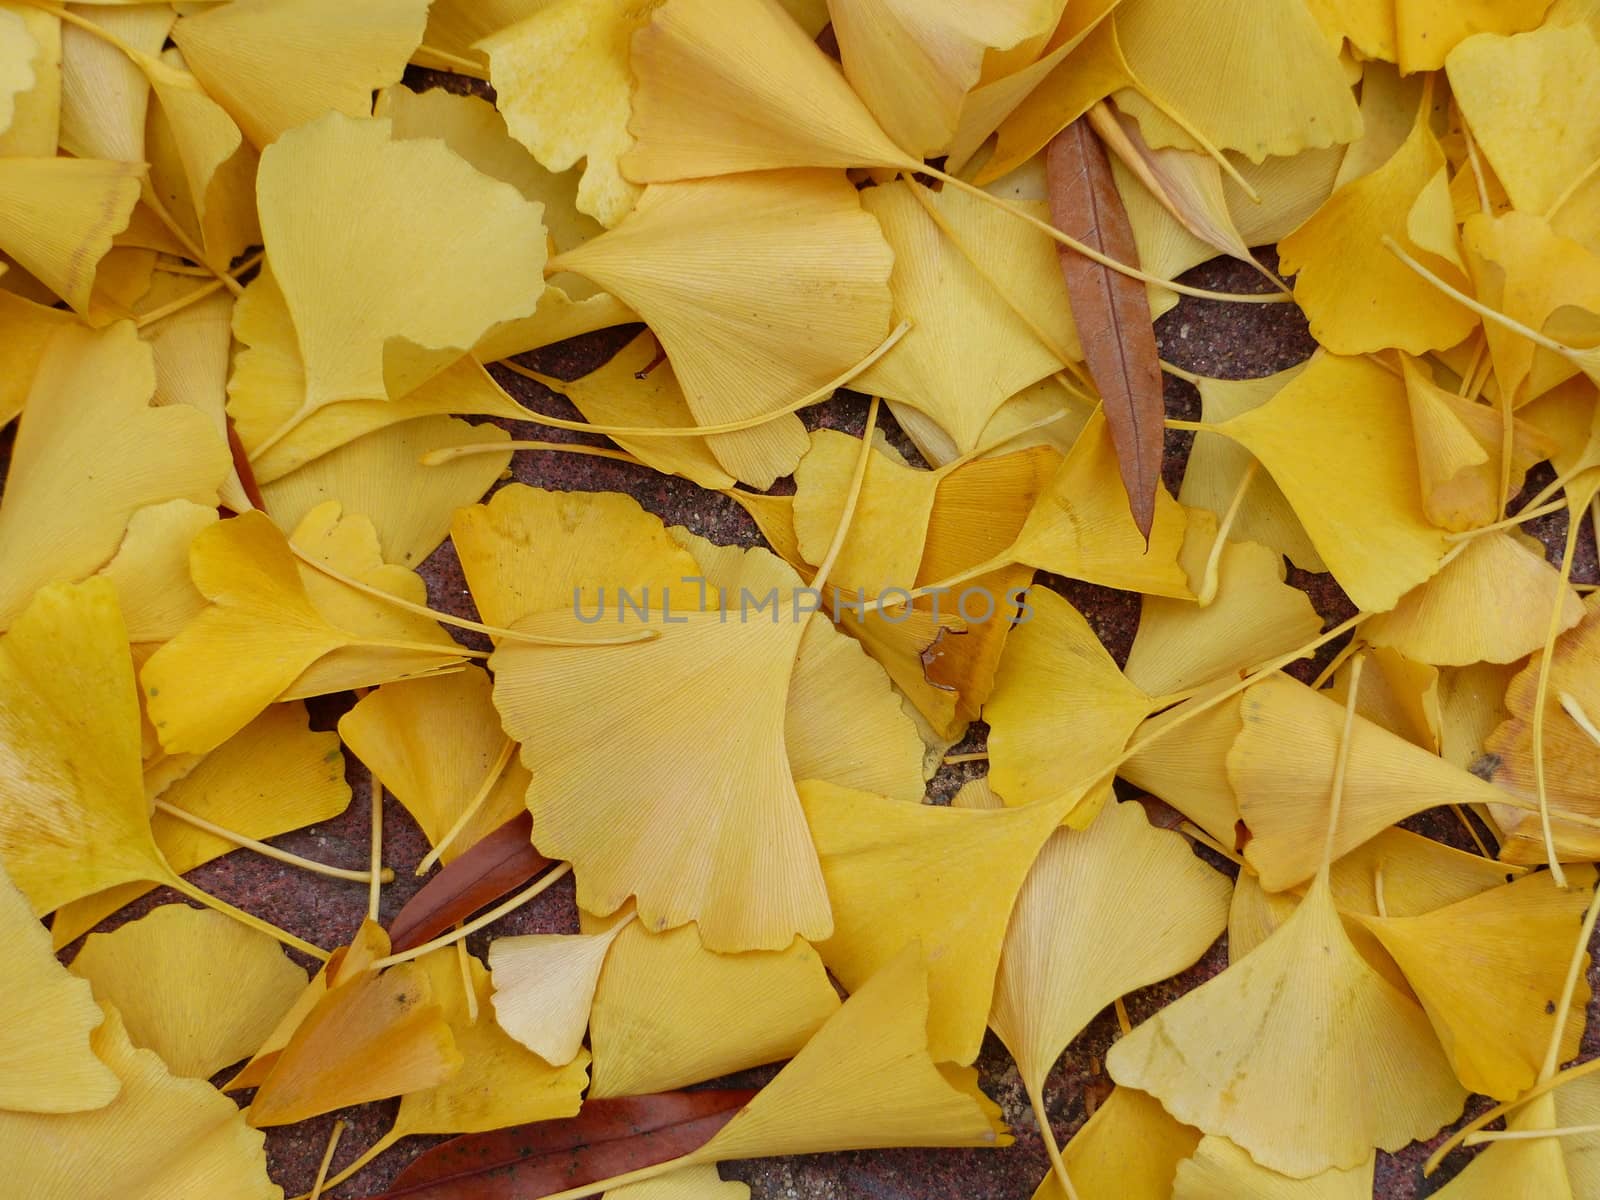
(29, 328)
(1428, 31)
(1490, 603)
(90, 452)
(728, 272)
(18, 49)
(1358, 295)
(718, 97)
(1190, 771)
(1254, 616)
(378, 1034)
(416, 314)
(151, 569)
(968, 350)
(913, 64)
(1255, 106)
(436, 746)
(274, 775)
(1105, 910)
(1337, 439)
(562, 80)
(1538, 1166)
(1397, 693)
(268, 388)
(200, 990)
(1128, 1150)
(898, 873)
(1282, 1015)
(668, 1012)
(380, 476)
(264, 629)
(46, 1063)
(1060, 708)
(1489, 970)
(163, 1136)
(686, 1183)
(1284, 754)
(338, 55)
(1216, 468)
(1081, 526)
(1219, 1170)
(104, 95)
(864, 1080)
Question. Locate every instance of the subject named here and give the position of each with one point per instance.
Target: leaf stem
(267, 849)
(489, 918)
(1051, 1146)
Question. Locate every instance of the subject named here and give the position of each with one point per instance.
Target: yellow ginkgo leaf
(380, 476)
(1105, 910)
(1060, 712)
(104, 95)
(162, 1136)
(1523, 268)
(338, 55)
(203, 162)
(1530, 1166)
(1490, 603)
(455, 27)
(29, 328)
(1081, 527)
(1128, 1149)
(726, 272)
(544, 988)
(802, 678)
(46, 1064)
(1220, 1170)
(668, 1012)
(1397, 693)
(1358, 295)
(274, 775)
(1577, 1103)
(1337, 439)
(1255, 107)
(1471, 704)
(870, 1063)
(499, 1082)
(436, 746)
(1529, 100)
(200, 990)
(1429, 31)
(417, 315)
(36, 111)
(18, 49)
(471, 127)
(1286, 751)
(1216, 472)
(376, 1035)
(1190, 772)
(268, 388)
(719, 97)
(1281, 1016)
(263, 631)
(1572, 755)
(1496, 1019)
(1254, 616)
(78, 778)
(636, 387)
(530, 551)
(151, 569)
(897, 873)
(192, 349)
(968, 350)
(540, 64)
(70, 491)
(1458, 450)
(913, 64)
(747, 818)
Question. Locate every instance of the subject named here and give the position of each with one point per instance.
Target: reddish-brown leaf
(1111, 310)
(497, 865)
(608, 1138)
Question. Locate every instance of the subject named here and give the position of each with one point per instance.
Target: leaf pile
(252, 286)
